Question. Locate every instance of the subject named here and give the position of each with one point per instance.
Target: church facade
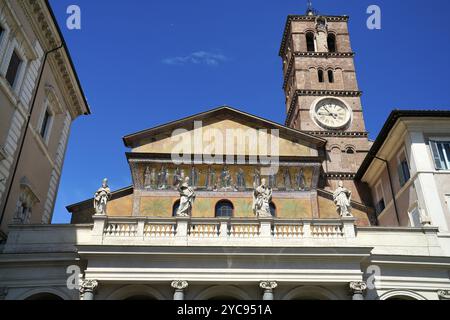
(228, 205)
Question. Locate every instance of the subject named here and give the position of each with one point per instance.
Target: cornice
(46, 30)
(340, 175)
(338, 134)
(335, 93)
(324, 54)
(292, 18)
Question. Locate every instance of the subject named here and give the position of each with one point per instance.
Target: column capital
(268, 285)
(444, 294)
(358, 287)
(88, 285)
(179, 284)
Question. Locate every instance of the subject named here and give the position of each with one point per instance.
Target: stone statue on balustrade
(262, 197)
(342, 198)
(163, 177)
(187, 198)
(101, 198)
(300, 180)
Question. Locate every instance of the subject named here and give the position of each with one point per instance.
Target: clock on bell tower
(322, 93)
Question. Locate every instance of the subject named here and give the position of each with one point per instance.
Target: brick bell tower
(322, 93)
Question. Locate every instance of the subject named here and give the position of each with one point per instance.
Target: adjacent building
(40, 96)
(408, 170)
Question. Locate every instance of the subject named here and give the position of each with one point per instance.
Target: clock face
(332, 114)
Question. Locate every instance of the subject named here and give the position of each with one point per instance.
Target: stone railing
(220, 231)
(227, 233)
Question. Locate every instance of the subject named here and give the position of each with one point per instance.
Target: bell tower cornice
(311, 18)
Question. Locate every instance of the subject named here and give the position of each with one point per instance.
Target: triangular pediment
(227, 129)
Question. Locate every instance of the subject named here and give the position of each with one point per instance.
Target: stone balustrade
(221, 230)
(226, 232)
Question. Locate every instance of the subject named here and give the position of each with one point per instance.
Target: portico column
(87, 289)
(358, 288)
(268, 287)
(179, 286)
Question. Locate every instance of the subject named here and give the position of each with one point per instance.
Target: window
(321, 22)
(13, 68)
(414, 217)
(331, 41)
(175, 207)
(23, 212)
(441, 154)
(273, 209)
(447, 201)
(45, 124)
(320, 74)
(224, 208)
(349, 150)
(330, 76)
(380, 205)
(25, 203)
(403, 169)
(310, 46)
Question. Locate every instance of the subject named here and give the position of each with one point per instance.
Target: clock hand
(334, 115)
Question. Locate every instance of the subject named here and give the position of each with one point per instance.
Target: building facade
(408, 170)
(153, 241)
(40, 96)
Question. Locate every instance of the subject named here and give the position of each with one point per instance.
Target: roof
(89, 202)
(225, 112)
(388, 126)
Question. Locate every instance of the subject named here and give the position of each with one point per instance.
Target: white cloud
(198, 57)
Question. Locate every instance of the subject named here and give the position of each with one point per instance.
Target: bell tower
(321, 88)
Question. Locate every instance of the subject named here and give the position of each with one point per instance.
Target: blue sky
(145, 63)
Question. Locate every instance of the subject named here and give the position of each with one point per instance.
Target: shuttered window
(441, 154)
